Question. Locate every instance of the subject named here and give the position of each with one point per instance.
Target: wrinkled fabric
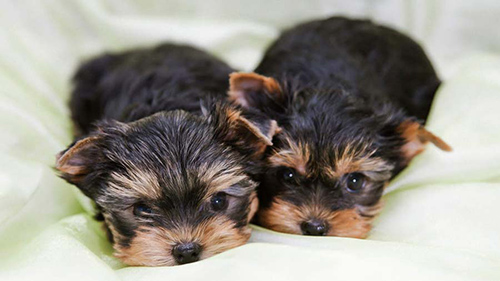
(439, 220)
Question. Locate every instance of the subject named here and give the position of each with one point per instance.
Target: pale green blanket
(440, 221)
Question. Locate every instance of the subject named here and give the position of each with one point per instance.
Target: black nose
(186, 252)
(314, 227)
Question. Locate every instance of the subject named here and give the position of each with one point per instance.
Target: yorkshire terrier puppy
(348, 95)
(172, 179)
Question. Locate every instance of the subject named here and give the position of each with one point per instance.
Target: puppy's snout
(186, 252)
(314, 227)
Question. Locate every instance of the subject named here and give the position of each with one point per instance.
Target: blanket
(439, 220)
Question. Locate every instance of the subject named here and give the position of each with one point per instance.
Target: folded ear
(417, 137)
(76, 162)
(251, 133)
(251, 90)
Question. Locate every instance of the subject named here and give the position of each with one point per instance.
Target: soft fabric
(440, 217)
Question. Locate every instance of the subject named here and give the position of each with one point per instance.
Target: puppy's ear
(250, 134)
(417, 137)
(76, 162)
(251, 90)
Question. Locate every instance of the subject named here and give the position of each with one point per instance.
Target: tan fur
(351, 160)
(218, 177)
(254, 206)
(153, 246)
(258, 133)
(114, 234)
(417, 137)
(245, 132)
(285, 217)
(240, 83)
(295, 156)
(281, 216)
(65, 164)
(371, 211)
(136, 183)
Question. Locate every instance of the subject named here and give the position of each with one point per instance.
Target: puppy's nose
(186, 252)
(314, 227)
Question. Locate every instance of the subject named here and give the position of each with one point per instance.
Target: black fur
(356, 55)
(160, 113)
(345, 83)
(173, 146)
(138, 83)
(329, 120)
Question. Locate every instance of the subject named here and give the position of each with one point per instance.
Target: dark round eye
(219, 201)
(141, 210)
(287, 175)
(355, 182)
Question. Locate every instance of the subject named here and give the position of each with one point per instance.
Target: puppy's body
(134, 84)
(366, 60)
(346, 94)
(174, 182)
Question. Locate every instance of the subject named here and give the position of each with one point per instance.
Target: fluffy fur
(347, 95)
(167, 161)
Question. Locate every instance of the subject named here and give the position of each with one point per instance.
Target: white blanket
(440, 219)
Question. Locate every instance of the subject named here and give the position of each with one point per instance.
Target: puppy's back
(133, 84)
(356, 54)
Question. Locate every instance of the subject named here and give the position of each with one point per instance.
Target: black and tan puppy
(172, 180)
(348, 95)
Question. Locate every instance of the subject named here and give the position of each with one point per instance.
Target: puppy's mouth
(314, 220)
(157, 246)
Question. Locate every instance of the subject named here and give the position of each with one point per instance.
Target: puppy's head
(173, 188)
(328, 168)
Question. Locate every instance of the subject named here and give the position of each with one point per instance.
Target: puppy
(172, 180)
(348, 95)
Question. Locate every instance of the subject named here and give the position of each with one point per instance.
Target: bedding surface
(439, 220)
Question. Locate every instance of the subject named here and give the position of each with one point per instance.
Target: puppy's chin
(283, 216)
(153, 246)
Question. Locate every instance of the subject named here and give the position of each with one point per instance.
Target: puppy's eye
(141, 210)
(287, 175)
(355, 182)
(219, 202)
